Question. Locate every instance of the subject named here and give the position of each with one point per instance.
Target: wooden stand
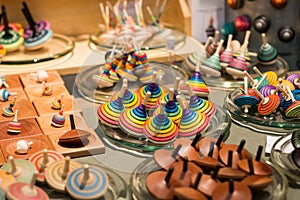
(53, 79)
(93, 146)
(24, 107)
(45, 124)
(34, 93)
(44, 107)
(29, 127)
(39, 142)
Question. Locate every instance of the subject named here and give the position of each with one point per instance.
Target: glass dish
(151, 37)
(87, 86)
(219, 123)
(275, 124)
(226, 82)
(117, 189)
(277, 190)
(281, 157)
(57, 47)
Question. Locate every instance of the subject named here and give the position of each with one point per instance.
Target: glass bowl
(59, 46)
(117, 189)
(281, 157)
(151, 38)
(87, 86)
(275, 124)
(219, 123)
(226, 82)
(277, 190)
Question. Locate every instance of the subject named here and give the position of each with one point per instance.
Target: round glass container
(281, 157)
(276, 190)
(275, 124)
(117, 188)
(57, 47)
(150, 37)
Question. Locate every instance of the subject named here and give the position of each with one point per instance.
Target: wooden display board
(35, 116)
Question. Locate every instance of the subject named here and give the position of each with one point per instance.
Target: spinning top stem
(231, 186)
(145, 100)
(86, 174)
(72, 122)
(229, 39)
(290, 93)
(191, 93)
(246, 85)
(264, 100)
(249, 77)
(185, 165)
(217, 35)
(154, 77)
(241, 146)
(257, 71)
(261, 80)
(13, 167)
(195, 140)
(258, 153)
(175, 152)
(176, 84)
(229, 158)
(264, 39)
(197, 181)
(220, 139)
(208, 41)
(171, 94)
(215, 172)
(122, 92)
(32, 181)
(30, 22)
(162, 108)
(247, 36)
(16, 116)
(45, 157)
(66, 166)
(5, 20)
(251, 168)
(169, 174)
(219, 47)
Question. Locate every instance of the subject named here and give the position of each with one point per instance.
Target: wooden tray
(34, 93)
(44, 106)
(53, 79)
(29, 127)
(40, 142)
(94, 145)
(24, 107)
(45, 123)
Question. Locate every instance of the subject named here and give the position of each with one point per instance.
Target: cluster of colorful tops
(268, 94)
(154, 113)
(207, 169)
(13, 35)
(130, 64)
(232, 60)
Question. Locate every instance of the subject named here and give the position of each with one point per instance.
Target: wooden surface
(44, 106)
(13, 81)
(24, 107)
(29, 127)
(40, 142)
(2, 159)
(93, 146)
(45, 123)
(35, 93)
(53, 79)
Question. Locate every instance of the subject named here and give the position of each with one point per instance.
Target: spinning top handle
(290, 93)
(148, 94)
(12, 164)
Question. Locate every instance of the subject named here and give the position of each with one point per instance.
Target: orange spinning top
(267, 104)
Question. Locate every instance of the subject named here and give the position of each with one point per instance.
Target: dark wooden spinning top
(230, 172)
(74, 136)
(260, 168)
(159, 185)
(261, 24)
(256, 182)
(204, 145)
(206, 183)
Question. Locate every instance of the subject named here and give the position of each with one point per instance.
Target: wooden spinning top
(206, 183)
(254, 181)
(74, 136)
(159, 185)
(57, 172)
(261, 24)
(22, 170)
(188, 147)
(42, 159)
(26, 191)
(232, 190)
(279, 4)
(164, 158)
(259, 167)
(87, 182)
(204, 145)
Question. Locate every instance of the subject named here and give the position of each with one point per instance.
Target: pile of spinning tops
(233, 60)
(208, 169)
(119, 25)
(268, 94)
(130, 63)
(18, 177)
(150, 112)
(13, 35)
